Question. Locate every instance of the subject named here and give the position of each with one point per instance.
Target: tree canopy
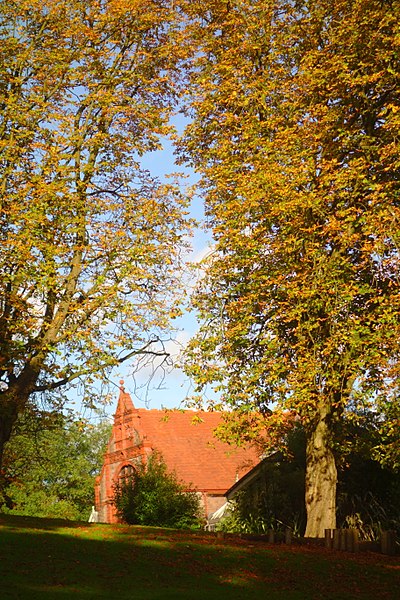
(294, 110)
(50, 465)
(295, 119)
(90, 242)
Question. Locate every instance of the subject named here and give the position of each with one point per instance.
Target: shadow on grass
(56, 560)
(82, 561)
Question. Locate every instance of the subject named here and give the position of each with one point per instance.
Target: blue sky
(166, 389)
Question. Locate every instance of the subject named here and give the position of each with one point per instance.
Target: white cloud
(203, 253)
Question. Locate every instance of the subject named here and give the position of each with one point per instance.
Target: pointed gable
(186, 441)
(125, 404)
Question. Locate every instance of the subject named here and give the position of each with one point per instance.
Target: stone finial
(122, 385)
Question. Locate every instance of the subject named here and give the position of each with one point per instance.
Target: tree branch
(81, 372)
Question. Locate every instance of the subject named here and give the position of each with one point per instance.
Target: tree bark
(8, 416)
(321, 480)
(14, 401)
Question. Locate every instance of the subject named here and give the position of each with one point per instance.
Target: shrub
(275, 501)
(153, 496)
(368, 498)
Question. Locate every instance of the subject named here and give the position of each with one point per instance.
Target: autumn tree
(90, 242)
(295, 118)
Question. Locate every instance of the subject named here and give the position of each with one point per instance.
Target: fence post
(351, 540)
(388, 542)
(356, 546)
(343, 539)
(328, 539)
(336, 539)
(288, 536)
(271, 536)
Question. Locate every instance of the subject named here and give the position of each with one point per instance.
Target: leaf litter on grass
(101, 561)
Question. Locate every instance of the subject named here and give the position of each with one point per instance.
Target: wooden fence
(348, 541)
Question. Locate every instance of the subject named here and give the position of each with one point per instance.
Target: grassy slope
(55, 560)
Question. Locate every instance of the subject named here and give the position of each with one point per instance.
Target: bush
(275, 498)
(275, 501)
(368, 498)
(153, 496)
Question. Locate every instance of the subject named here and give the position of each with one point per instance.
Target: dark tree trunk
(13, 402)
(321, 480)
(8, 416)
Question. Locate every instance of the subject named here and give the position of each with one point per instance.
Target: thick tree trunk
(8, 416)
(13, 401)
(321, 480)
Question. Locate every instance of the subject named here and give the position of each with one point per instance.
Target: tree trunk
(321, 480)
(8, 416)
(13, 401)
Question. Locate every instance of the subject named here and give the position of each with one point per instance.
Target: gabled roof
(187, 442)
(253, 474)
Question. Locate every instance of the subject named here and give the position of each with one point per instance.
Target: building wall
(134, 437)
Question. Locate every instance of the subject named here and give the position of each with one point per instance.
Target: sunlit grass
(44, 559)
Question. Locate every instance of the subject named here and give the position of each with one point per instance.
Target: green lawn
(45, 560)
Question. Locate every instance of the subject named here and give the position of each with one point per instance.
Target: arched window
(126, 474)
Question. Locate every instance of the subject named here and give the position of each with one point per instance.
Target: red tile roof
(186, 441)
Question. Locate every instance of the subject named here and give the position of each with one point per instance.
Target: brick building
(186, 441)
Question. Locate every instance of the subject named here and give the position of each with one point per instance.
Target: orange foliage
(90, 242)
(295, 126)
